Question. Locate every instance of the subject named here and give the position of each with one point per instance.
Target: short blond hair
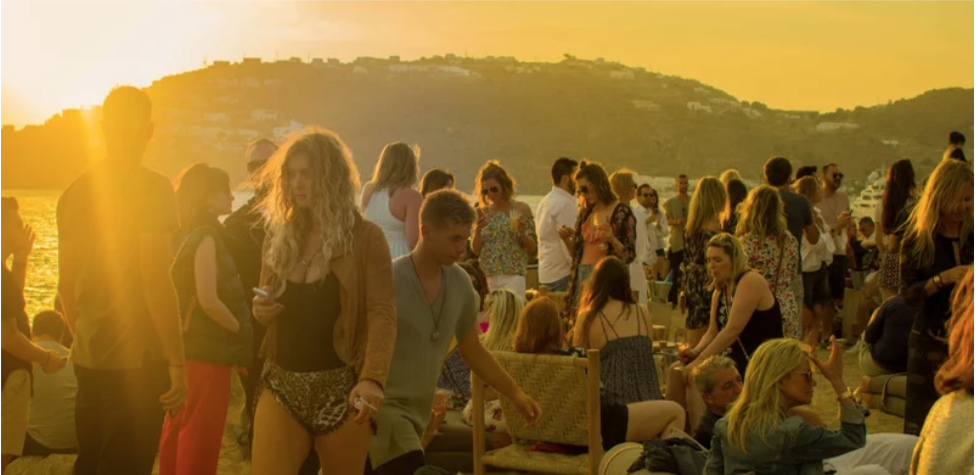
(622, 181)
(447, 207)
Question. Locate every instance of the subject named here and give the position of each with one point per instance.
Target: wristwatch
(847, 394)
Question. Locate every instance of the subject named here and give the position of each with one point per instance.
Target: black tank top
(763, 325)
(306, 325)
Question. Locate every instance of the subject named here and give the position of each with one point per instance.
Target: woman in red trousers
(217, 330)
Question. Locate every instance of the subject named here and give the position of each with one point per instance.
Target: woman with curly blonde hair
(328, 302)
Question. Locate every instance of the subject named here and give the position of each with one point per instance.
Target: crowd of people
(343, 318)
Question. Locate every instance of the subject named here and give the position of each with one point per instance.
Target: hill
(463, 111)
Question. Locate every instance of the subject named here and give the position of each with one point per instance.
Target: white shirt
(832, 206)
(558, 208)
(644, 236)
(813, 255)
(52, 414)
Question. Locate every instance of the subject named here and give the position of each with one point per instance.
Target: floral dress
(778, 263)
(501, 252)
(696, 280)
(623, 228)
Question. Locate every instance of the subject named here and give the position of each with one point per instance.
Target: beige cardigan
(947, 442)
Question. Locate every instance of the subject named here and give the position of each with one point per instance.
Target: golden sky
(790, 55)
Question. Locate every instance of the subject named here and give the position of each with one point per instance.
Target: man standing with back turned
(115, 226)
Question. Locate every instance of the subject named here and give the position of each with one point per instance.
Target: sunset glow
(809, 56)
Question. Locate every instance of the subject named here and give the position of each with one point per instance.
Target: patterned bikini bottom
(316, 400)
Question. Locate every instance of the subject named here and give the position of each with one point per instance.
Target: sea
(38, 208)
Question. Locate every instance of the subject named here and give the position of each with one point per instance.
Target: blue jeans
(559, 286)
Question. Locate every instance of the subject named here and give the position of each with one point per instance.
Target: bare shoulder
(409, 195)
(523, 208)
(752, 282)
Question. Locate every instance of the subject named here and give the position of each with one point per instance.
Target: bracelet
(940, 281)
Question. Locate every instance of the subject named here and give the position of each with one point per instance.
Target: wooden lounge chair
(568, 390)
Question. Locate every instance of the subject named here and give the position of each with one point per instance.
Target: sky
(788, 55)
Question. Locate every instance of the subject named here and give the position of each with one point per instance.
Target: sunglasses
(494, 189)
(837, 176)
(647, 196)
(584, 190)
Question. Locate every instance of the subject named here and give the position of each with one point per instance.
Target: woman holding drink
(505, 235)
(605, 227)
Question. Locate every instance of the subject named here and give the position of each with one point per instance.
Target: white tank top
(378, 211)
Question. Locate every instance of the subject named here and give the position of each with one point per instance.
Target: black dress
(928, 339)
(763, 325)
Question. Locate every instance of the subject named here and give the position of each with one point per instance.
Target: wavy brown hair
(493, 170)
(540, 330)
(595, 173)
(762, 215)
(958, 372)
(709, 200)
(334, 185)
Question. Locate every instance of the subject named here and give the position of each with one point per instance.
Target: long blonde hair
(504, 316)
(709, 200)
(397, 168)
(738, 259)
(334, 184)
(762, 215)
(941, 194)
(759, 408)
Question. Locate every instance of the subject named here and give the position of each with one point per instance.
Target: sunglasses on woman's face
(584, 190)
(486, 191)
(647, 196)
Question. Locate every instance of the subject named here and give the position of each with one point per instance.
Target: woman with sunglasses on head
(765, 430)
(605, 227)
(505, 235)
(937, 250)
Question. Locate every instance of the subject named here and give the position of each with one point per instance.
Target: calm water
(39, 209)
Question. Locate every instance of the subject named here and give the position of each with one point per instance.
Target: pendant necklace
(436, 319)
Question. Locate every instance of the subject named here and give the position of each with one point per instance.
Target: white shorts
(15, 407)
